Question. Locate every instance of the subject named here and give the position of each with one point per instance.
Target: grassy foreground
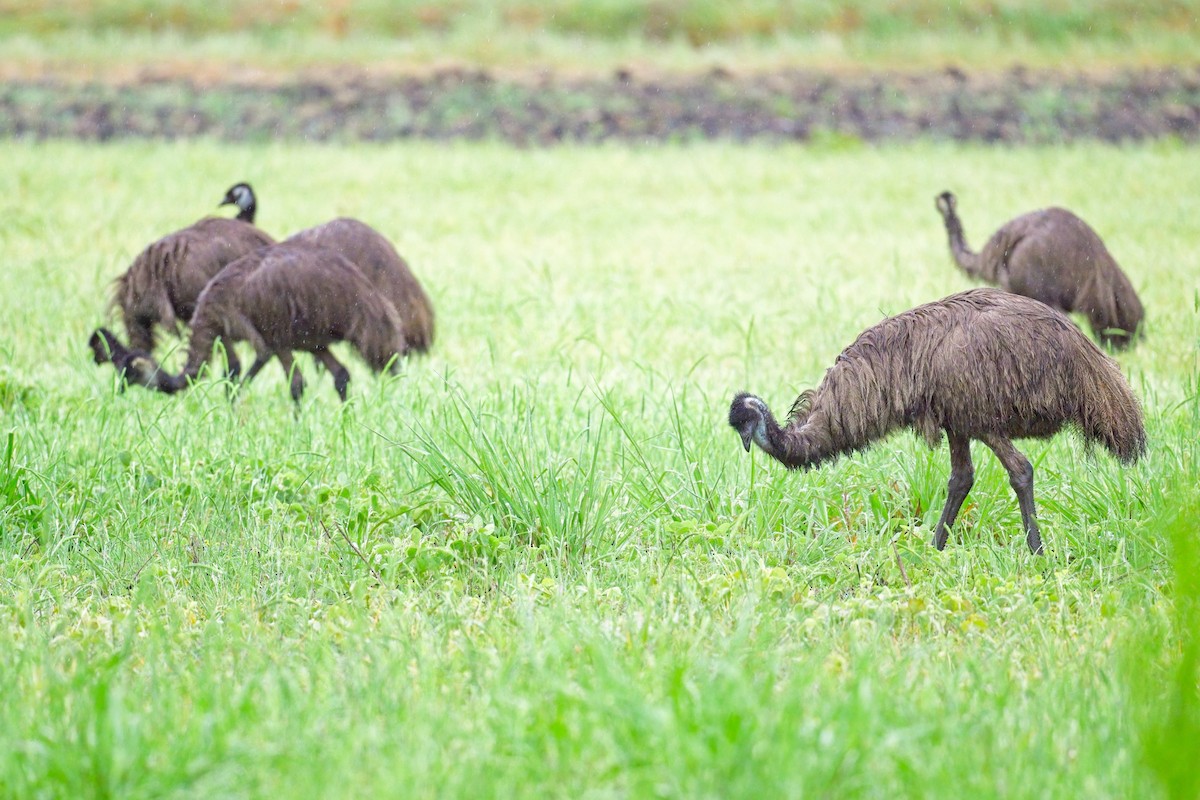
(538, 563)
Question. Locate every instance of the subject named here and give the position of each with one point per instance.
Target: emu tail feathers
(1108, 412)
(1112, 307)
(378, 335)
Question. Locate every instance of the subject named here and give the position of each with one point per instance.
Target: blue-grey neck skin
(755, 423)
(246, 204)
(772, 438)
(790, 445)
(242, 196)
(760, 435)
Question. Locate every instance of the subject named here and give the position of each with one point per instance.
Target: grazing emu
(372, 253)
(1053, 256)
(982, 364)
(280, 299)
(163, 283)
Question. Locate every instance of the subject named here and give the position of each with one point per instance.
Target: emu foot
(1033, 538)
(940, 535)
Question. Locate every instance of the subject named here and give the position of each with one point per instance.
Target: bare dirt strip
(1017, 106)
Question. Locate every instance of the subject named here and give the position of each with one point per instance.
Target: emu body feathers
(982, 364)
(164, 281)
(372, 253)
(162, 285)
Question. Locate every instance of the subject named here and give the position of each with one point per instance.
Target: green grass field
(538, 563)
(223, 38)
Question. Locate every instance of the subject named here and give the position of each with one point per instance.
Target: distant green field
(538, 563)
(590, 34)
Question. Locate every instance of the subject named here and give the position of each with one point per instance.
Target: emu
(1053, 256)
(982, 364)
(372, 253)
(165, 280)
(280, 299)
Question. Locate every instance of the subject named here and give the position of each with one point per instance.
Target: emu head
(242, 196)
(105, 346)
(945, 204)
(140, 368)
(135, 366)
(748, 416)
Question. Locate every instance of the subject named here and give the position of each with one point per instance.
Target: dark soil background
(1018, 106)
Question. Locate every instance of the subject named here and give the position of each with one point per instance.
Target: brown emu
(1053, 256)
(372, 253)
(164, 281)
(283, 298)
(982, 364)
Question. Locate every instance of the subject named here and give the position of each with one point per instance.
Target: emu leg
(962, 478)
(260, 361)
(290, 369)
(1020, 478)
(233, 365)
(341, 375)
(140, 330)
(233, 368)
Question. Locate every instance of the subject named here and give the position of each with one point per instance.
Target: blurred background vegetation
(700, 22)
(839, 33)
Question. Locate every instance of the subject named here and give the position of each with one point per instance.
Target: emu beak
(747, 437)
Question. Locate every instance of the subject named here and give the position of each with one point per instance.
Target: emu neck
(790, 445)
(963, 256)
(170, 384)
(199, 351)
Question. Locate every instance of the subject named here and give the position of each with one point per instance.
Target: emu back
(372, 253)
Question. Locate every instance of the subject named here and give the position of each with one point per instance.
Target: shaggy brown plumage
(164, 281)
(1053, 256)
(982, 364)
(283, 298)
(372, 253)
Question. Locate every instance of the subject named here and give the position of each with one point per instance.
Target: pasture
(538, 562)
(223, 37)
